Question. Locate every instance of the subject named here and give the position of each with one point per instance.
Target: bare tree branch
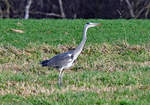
(148, 10)
(27, 9)
(75, 16)
(119, 12)
(47, 14)
(130, 8)
(7, 8)
(1, 12)
(139, 13)
(61, 9)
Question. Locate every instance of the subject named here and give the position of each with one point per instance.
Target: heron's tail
(44, 63)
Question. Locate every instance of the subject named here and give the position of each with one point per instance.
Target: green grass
(56, 32)
(113, 69)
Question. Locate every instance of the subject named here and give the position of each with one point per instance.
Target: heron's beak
(98, 24)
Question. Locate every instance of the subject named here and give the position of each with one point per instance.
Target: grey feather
(60, 60)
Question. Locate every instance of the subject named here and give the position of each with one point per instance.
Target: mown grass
(113, 68)
(55, 32)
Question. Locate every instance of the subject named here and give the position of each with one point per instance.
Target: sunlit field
(113, 68)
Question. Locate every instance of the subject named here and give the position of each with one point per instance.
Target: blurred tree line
(105, 9)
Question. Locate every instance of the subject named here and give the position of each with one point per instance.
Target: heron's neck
(80, 47)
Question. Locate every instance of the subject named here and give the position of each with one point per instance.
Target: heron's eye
(88, 23)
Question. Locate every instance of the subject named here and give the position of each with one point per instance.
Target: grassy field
(113, 69)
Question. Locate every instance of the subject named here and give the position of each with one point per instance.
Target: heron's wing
(61, 60)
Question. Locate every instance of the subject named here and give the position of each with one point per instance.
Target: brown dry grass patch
(106, 57)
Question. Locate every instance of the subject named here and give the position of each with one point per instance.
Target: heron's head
(89, 25)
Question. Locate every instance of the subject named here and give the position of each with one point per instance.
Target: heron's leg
(60, 77)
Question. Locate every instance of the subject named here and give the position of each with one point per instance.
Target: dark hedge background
(105, 9)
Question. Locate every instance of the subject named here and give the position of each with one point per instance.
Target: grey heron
(66, 60)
